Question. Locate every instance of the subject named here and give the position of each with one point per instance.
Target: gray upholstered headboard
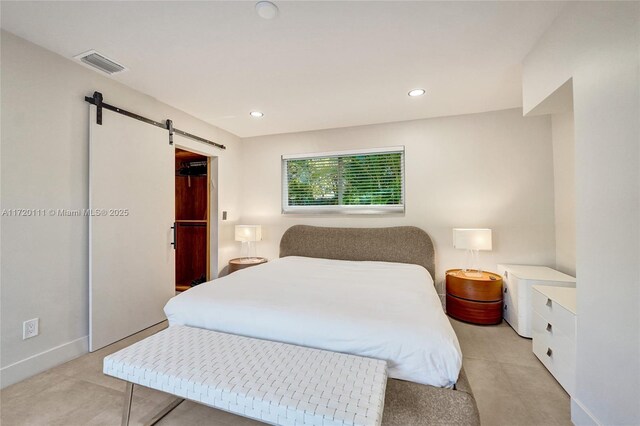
(401, 244)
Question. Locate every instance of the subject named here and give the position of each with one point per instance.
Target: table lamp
(248, 235)
(472, 240)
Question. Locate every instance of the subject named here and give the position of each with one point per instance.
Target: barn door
(131, 200)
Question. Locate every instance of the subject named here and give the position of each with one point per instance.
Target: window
(365, 181)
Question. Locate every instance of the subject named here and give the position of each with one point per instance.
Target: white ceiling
(317, 65)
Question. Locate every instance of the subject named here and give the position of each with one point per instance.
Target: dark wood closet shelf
(183, 287)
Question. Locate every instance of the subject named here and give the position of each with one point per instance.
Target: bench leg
(126, 410)
(166, 410)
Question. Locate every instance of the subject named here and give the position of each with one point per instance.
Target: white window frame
(341, 209)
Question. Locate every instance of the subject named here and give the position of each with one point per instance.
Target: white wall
(45, 165)
(564, 184)
(483, 170)
(597, 45)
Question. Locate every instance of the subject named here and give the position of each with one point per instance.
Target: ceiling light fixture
(266, 10)
(256, 114)
(416, 92)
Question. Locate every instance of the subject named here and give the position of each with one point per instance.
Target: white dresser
(554, 332)
(517, 282)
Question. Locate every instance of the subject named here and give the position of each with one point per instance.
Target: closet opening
(192, 200)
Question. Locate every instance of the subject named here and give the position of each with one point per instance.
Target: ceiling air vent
(101, 62)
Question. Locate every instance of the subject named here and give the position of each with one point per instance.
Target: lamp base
(472, 269)
(472, 274)
(251, 259)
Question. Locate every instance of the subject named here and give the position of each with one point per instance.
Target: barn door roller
(97, 100)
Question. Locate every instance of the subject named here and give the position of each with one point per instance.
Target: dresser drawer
(474, 312)
(558, 317)
(508, 313)
(484, 288)
(508, 294)
(555, 350)
(561, 364)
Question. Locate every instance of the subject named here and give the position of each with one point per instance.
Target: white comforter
(381, 310)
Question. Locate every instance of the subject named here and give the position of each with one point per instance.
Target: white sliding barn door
(132, 261)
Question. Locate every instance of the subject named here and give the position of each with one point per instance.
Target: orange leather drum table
(475, 298)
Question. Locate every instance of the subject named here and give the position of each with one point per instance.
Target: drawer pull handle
(505, 289)
(549, 302)
(549, 327)
(505, 307)
(549, 352)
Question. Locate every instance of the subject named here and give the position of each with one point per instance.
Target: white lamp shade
(246, 233)
(472, 239)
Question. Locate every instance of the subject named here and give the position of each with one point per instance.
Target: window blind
(370, 181)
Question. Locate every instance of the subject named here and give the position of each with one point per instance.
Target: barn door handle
(174, 243)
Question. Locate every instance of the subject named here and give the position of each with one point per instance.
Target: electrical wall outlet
(30, 328)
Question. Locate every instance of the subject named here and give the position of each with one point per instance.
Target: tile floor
(511, 387)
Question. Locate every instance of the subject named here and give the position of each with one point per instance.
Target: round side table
(474, 299)
(245, 262)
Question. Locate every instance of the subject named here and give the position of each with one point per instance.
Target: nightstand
(245, 262)
(476, 300)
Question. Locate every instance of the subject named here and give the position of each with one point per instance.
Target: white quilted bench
(268, 381)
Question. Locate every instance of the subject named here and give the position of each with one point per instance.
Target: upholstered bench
(268, 381)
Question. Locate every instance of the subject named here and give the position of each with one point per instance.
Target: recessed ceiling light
(266, 10)
(256, 114)
(416, 92)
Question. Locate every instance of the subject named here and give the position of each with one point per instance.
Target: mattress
(381, 310)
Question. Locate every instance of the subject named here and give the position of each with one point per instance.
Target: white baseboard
(43, 361)
(581, 416)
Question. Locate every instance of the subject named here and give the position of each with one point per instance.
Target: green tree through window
(368, 179)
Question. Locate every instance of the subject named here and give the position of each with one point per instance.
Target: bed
(364, 291)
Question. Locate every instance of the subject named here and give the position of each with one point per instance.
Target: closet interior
(192, 219)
